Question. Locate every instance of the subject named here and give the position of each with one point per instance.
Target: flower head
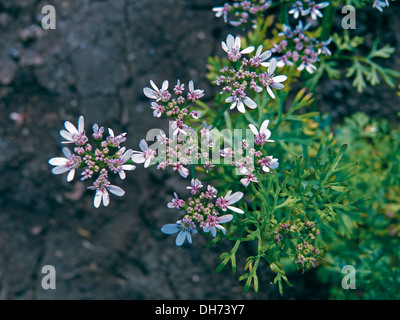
(213, 223)
(146, 156)
(269, 80)
(158, 94)
(74, 135)
(102, 187)
(185, 227)
(262, 136)
(224, 203)
(232, 48)
(69, 163)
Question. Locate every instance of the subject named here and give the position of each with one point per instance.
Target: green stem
(327, 22)
(219, 115)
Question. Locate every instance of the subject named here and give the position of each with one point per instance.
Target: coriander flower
(113, 140)
(103, 187)
(195, 186)
(222, 11)
(74, 135)
(156, 93)
(193, 94)
(259, 57)
(158, 109)
(117, 165)
(249, 178)
(262, 136)
(176, 203)
(379, 5)
(177, 166)
(146, 156)
(269, 80)
(213, 223)
(239, 100)
(225, 202)
(232, 48)
(297, 9)
(315, 13)
(185, 227)
(69, 163)
(267, 163)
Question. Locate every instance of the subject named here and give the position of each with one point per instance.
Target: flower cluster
(243, 11)
(96, 160)
(250, 157)
(247, 75)
(181, 148)
(308, 7)
(204, 210)
(177, 107)
(307, 255)
(298, 49)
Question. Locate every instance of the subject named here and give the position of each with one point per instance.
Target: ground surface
(96, 63)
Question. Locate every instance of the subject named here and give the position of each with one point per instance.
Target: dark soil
(96, 64)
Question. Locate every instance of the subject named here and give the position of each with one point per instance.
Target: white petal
(229, 99)
(154, 86)
(81, 124)
(230, 41)
(149, 93)
(259, 49)
(272, 66)
(250, 103)
(122, 174)
(220, 228)
(70, 127)
(66, 135)
(240, 107)
(71, 175)
(247, 50)
(170, 228)
(180, 239)
(253, 129)
(106, 198)
(224, 46)
(66, 153)
(214, 232)
(265, 55)
(277, 85)
(274, 164)
(127, 154)
(147, 162)
(237, 210)
(184, 172)
(97, 198)
(116, 190)
(58, 161)
(235, 197)
(264, 126)
(128, 167)
(279, 78)
(138, 157)
(225, 218)
(270, 92)
(165, 85)
(143, 145)
(59, 170)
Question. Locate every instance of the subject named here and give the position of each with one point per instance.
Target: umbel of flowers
(96, 161)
